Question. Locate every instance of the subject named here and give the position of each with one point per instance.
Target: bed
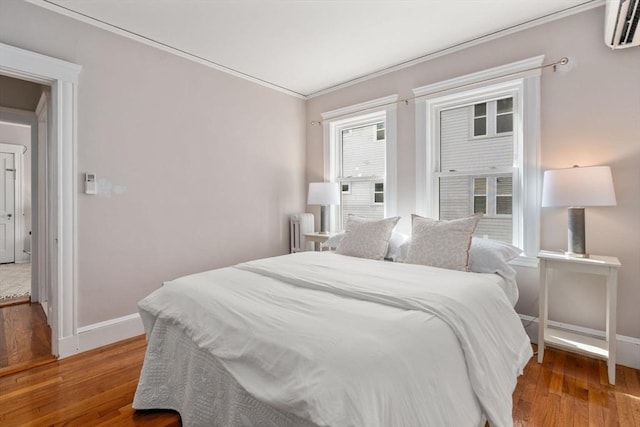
(324, 339)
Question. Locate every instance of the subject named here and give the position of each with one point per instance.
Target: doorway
(15, 210)
(54, 244)
(23, 321)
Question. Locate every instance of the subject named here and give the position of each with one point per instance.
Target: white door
(7, 207)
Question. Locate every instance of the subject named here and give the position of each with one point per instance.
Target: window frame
(370, 112)
(523, 82)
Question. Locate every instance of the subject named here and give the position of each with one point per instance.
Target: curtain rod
(562, 61)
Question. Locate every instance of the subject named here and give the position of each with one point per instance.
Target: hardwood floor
(97, 387)
(25, 337)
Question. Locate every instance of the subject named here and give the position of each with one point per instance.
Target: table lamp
(576, 188)
(323, 194)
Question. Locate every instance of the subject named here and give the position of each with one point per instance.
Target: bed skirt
(178, 375)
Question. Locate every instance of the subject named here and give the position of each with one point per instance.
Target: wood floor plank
(96, 388)
(25, 337)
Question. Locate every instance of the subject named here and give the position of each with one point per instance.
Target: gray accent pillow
(366, 238)
(443, 244)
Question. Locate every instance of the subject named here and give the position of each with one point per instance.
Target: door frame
(62, 77)
(18, 200)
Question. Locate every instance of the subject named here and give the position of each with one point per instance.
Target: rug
(15, 280)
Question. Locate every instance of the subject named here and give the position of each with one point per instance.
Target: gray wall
(207, 167)
(589, 117)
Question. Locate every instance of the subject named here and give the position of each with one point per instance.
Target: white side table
(317, 238)
(600, 348)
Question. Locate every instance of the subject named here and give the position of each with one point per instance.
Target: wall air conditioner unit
(621, 23)
(300, 225)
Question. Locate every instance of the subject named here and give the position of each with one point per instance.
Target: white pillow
(366, 238)
(492, 256)
(397, 241)
(443, 244)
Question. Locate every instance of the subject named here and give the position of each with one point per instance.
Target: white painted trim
(62, 76)
(41, 288)
(164, 47)
(525, 261)
(464, 45)
(27, 65)
(627, 348)
(109, 331)
(363, 107)
(519, 69)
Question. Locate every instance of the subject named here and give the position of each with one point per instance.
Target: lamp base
(576, 242)
(324, 220)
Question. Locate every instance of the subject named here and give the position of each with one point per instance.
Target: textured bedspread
(343, 341)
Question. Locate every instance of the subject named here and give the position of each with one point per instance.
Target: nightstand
(600, 348)
(317, 238)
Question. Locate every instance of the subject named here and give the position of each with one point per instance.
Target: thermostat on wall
(90, 184)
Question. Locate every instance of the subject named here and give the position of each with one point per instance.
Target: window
(504, 115)
(378, 193)
(480, 119)
(479, 195)
(362, 167)
(477, 152)
(380, 131)
(474, 172)
(492, 195)
(501, 113)
(360, 155)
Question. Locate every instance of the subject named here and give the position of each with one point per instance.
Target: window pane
(455, 197)
(504, 123)
(504, 185)
(480, 126)
(378, 197)
(479, 204)
(503, 205)
(480, 109)
(380, 135)
(505, 105)
(480, 186)
(379, 186)
(362, 155)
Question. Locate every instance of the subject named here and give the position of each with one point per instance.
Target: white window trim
(333, 122)
(523, 81)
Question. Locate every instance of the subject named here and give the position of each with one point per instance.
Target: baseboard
(627, 348)
(109, 331)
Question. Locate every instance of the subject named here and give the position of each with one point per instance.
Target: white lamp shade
(323, 193)
(579, 187)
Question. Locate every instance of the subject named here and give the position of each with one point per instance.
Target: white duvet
(345, 341)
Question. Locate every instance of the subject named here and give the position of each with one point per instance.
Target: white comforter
(345, 341)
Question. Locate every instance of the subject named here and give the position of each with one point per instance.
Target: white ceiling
(308, 46)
